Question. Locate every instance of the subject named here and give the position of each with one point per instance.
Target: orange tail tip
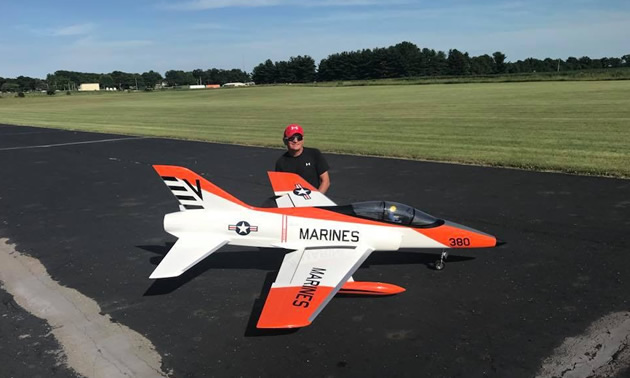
(370, 288)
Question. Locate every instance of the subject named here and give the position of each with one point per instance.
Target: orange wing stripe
(292, 307)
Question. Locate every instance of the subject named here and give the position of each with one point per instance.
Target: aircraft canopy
(390, 212)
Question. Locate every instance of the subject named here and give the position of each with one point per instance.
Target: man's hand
(324, 182)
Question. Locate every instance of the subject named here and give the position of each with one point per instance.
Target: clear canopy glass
(390, 212)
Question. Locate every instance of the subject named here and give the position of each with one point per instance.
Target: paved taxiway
(92, 214)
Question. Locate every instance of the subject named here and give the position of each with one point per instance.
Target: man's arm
(324, 183)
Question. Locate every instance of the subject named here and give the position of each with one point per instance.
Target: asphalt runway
(92, 214)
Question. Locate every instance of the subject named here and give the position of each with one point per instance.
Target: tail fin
(193, 191)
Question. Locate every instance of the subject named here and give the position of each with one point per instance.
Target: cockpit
(389, 212)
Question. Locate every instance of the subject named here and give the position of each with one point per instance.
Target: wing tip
(157, 275)
(265, 323)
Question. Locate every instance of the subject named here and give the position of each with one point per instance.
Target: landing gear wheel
(439, 264)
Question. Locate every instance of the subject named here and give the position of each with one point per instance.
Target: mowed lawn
(579, 126)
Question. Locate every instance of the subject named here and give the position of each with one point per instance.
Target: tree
(106, 81)
(123, 80)
(440, 65)
(410, 58)
(265, 73)
(151, 78)
(458, 63)
(585, 62)
(198, 75)
(283, 72)
(302, 69)
(482, 65)
(573, 63)
(499, 62)
(176, 77)
(9, 87)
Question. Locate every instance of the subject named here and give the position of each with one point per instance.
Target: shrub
(20, 94)
(50, 92)
(68, 93)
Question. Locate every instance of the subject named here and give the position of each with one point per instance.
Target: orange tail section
(192, 190)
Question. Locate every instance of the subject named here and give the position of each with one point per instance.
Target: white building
(89, 87)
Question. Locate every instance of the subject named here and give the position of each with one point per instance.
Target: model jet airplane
(328, 243)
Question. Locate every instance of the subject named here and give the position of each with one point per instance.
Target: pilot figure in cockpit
(391, 215)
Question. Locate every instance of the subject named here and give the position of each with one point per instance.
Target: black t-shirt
(310, 164)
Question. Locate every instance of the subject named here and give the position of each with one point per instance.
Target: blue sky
(41, 36)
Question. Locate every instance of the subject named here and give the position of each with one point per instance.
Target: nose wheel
(439, 264)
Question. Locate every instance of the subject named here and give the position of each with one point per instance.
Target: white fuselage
(269, 229)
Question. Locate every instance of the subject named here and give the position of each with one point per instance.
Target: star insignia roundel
(243, 228)
(301, 191)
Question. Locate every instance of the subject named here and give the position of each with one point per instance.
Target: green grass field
(570, 126)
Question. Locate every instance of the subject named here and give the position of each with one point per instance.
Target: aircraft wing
(187, 251)
(307, 281)
(293, 191)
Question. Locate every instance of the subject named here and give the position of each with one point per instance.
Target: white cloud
(216, 4)
(60, 31)
(210, 26)
(379, 14)
(96, 44)
(78, 29)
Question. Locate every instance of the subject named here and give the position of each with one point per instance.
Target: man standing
(306, 162)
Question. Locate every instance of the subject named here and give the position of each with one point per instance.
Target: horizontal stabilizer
(293, 191)
(188, 251)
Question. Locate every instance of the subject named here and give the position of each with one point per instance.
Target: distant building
(89, 87)
(237, 84)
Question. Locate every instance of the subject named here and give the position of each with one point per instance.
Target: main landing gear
(439, 264)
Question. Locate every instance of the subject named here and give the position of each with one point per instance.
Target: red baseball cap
(293, 129)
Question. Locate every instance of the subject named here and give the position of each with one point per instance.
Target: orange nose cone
(453, 235)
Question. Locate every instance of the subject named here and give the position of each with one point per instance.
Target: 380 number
(459, 242)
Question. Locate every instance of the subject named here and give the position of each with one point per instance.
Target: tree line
(408, 60)
(404, 59)
(70, 80)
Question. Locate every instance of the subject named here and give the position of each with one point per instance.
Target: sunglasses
(294, 138)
